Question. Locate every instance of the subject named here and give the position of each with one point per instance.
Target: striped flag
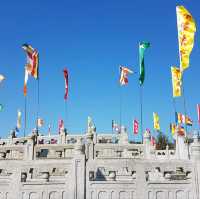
(66, 83)
(188, 121)
(32, 65)
(135, 126)
(124, 71)
(198, 112)
(181, 118)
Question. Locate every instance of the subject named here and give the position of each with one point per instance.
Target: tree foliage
(162, 141)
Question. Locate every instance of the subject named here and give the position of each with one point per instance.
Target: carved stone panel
(102, 195)
(160, 195)
(34, 195)
(123, 195)
(180, 195)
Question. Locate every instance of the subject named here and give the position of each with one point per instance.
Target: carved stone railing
(14, 148)
(118, 151)
(58, 151)
(165, 154)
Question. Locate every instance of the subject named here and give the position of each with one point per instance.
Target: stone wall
(95, 166)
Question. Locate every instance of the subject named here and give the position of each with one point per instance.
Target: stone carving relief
(102, 195)
(15, 154)
(33, 195)
(53, 195)
(44, 174)
(168, 175)
(180, 194)
(110, 174)
(123, 195)
(160, 195)
(5, 172)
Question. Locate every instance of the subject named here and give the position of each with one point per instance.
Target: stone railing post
(29, 149)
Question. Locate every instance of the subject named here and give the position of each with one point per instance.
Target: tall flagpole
(25, 115)
(66, 115)
(38, 101)
(120, 107)
(141, 112)
(184, 104)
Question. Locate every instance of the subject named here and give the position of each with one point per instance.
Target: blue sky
(91, 39)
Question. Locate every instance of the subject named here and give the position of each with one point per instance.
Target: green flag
(142, 47)
(1, 107)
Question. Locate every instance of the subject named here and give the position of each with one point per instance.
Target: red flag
(66, 83)
(153, 141)
(60, 125)
(135, 127)
(198, 112)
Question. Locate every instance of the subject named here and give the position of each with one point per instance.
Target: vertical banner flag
(186, 30)
(60, 125)
(19, 116)
(156, 124)
(115, 127)
(176, 117)
(198, 113)
(1, 78)
(135, 126)
(124, 71)
(32, 65)
(153, 140)
(142, 47)
(188, 121)
(172, 128)
(176, 81)
(1, 107)
(181, 118)
(40, 122)
(25, 81)
(66, 83)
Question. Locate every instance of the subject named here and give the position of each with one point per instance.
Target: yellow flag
(172, 128)
(186, 29)
(176, 81)
(156, 124)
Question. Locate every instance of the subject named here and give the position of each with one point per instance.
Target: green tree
(162, 141)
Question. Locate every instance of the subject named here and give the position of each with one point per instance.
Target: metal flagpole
(184, 105)
(120, 109)
(185, 112)
(66, 115)
(38, 102)
(25, 115)
(141, 113)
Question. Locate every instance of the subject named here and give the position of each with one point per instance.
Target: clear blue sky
(92, 38)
